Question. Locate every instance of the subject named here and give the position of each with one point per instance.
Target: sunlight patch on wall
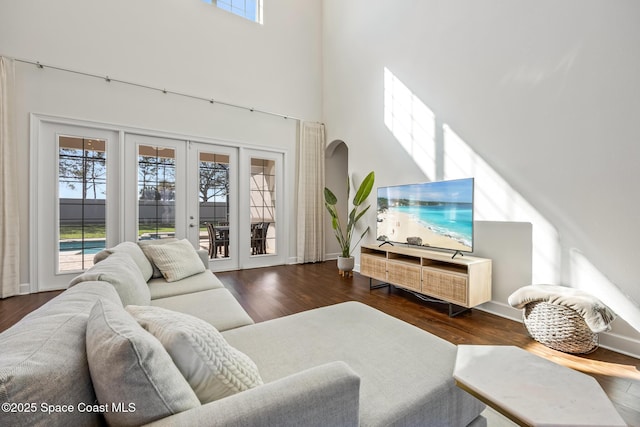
(585, 276)
(442, 154)
(496, 200)
(411, 122)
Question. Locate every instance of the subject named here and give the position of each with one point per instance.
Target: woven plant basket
(559, 327)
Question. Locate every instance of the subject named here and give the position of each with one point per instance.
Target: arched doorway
(336, 176)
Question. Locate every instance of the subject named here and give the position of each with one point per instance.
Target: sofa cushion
(206, 280)
(43, 359)
(212, 367)
(176, 260)
(134, 251)
(122, 272)
(128, 365)
(215, 306)
(406, 373)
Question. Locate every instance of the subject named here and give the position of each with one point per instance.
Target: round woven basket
(559, 327)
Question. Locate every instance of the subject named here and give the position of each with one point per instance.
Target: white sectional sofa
(341, 365)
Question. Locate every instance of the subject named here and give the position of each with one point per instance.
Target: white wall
(187, 46)
(539, 101)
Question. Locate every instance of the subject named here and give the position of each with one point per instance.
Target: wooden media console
(463, 281)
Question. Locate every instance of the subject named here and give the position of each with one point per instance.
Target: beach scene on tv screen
(434, 214)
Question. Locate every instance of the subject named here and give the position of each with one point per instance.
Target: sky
(459, 190)
(245, 8)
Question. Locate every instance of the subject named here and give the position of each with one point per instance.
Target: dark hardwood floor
(269, 293)
(275, 292)
(15, 308)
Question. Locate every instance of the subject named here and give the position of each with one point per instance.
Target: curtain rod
(163, 90)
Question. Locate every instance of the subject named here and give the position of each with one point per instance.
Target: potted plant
(344, 235)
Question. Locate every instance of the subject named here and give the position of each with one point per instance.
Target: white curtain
(9, 224)
(311, 193)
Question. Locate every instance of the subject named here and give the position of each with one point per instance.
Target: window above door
(248, 9)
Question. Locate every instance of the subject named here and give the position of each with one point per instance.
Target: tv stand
(432, 276)
(385, 243)
(456, 253)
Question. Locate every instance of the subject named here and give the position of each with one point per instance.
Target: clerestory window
(249, 9)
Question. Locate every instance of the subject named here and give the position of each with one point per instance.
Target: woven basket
(559, 327)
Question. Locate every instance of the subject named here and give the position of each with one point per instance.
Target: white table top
(532, 390)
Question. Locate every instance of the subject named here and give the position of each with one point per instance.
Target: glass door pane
(82, 192)
(262, 205)
(214, 197)
(156, 192)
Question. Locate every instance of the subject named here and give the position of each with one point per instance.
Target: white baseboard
(332, 256)
(24, 289)
(620, 344)
(501, 309)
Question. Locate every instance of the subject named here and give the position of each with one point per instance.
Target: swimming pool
(87, 247)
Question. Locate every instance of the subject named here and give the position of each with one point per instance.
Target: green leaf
(332, 210)
(334, 223)
(329, 197)
(362, 235)
(365, 189)
(348, 186)
(352, 217)
(361, 214)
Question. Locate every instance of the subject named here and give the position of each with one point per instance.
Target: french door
(213, 203)
(74, 208)
(222, 198)
(261, 208)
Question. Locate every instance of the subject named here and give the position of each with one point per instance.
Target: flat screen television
(430, 215)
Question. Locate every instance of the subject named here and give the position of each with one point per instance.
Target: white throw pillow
(129, 367)
(176, 260)
(213, 368)
(144, 244)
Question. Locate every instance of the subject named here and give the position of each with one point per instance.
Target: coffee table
(531, 390)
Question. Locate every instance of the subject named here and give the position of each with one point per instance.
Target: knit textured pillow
(176, 260)
(212, 367)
